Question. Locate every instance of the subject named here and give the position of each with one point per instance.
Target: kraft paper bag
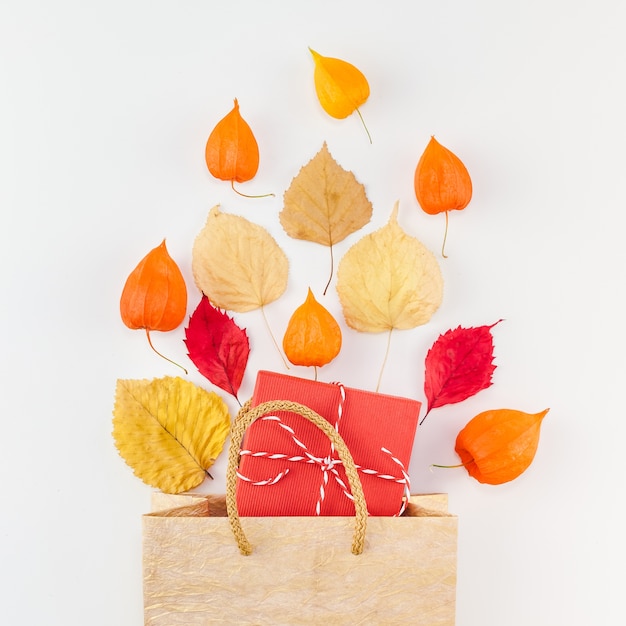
(203, 564)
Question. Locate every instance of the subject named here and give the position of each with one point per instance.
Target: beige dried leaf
(169, 431)
(389, 280)
(324, 203)
(237, 264)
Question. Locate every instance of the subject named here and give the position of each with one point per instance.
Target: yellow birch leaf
(237, 264)
(324, 203)
(169, 431)
(389, 280)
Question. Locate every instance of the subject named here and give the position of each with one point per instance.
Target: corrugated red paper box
(288, 465)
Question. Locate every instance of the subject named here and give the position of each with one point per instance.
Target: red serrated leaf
(458, 365)
(217, 346)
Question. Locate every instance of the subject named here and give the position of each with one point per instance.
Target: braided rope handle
(244, 419)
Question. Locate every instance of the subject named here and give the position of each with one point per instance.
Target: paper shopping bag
(203, 564)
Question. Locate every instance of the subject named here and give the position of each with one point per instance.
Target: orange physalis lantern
(155, 295)
(313, 336)
(232, 152)
(497, 446)
(341, 88)
(442, 182)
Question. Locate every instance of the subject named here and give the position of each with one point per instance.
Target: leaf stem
(332, 268)
(232, 391)
(273, 338)
(162, 355)
(445, 236)
(364, 126)
(452, 466)
(245, 195)
(380, 375)
(425, 416)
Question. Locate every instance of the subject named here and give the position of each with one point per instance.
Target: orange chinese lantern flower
(341, 88)
(232, 152)
(497, 446)
(442, 182)
(154, 295)
(313, 336)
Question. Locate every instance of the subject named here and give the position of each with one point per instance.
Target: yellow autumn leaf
(389, 280)
(324, 203)
(237, 264)
(169, 431)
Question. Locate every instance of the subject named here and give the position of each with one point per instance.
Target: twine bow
(244, 418)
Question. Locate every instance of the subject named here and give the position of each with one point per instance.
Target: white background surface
(105, 109)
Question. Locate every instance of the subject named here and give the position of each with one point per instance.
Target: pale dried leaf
(237, 264)
(387, 280)
(169, 431)
(324, 202)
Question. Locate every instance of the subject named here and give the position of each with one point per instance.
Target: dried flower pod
(232, 152)
(442, 182)
(341, 87)
(154, 295)
(497, 446)
(313, 336)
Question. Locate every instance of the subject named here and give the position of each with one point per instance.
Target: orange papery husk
(313, 336)
(497, 446)
(232, 152)
(154, 295)
(442, 182)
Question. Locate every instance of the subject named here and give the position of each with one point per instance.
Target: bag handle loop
(244, 419)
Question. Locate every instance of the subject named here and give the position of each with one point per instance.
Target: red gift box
(288, 465)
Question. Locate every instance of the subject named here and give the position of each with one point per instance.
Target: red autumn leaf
(217, 346)
(458, 365)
